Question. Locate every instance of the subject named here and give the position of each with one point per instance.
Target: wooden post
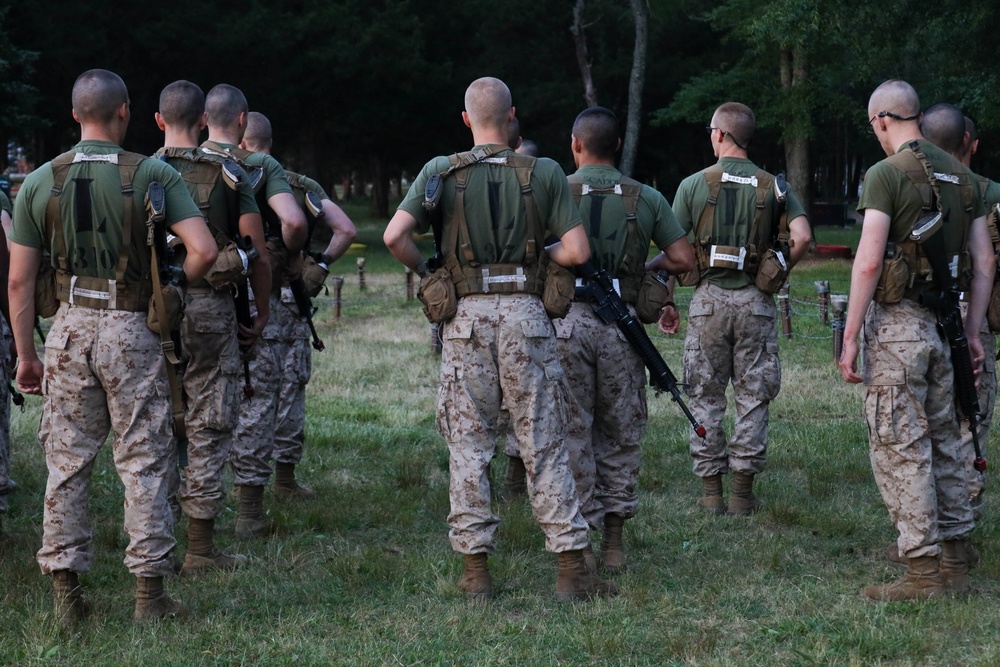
(409, 284)
(823, 289)
(839, 304)
(361, 273)
(338, 285)
(786, 311)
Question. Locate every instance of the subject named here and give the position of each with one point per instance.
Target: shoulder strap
(629, 190)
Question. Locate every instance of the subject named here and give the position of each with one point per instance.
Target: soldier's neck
(177, 138)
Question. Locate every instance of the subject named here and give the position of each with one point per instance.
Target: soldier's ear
(159, 121)
(465, 119)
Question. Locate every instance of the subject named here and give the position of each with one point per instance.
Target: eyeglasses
(887, 114)
(710, 130)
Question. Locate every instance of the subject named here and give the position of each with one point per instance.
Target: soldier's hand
(29, 376)
(248, 336)
(670, 319)
(849, 361)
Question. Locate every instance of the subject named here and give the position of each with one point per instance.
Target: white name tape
(947, 178)
(111, 158)
(742, 180)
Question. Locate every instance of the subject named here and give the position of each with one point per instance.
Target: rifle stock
(608, 306)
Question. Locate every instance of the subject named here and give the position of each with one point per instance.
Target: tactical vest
(201, 181)
(87, 291)
(631, 270)
(919, 276)
(473, 277)
(258, 179)
(761, 237)
(992, 217)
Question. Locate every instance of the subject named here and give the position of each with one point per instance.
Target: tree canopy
(376, 88)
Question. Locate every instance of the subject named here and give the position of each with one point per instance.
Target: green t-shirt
(5, 203)
(888, 189)
(991, 196)
(692, 197)
(494, 206)
(604, 218)
(274, 182)
(93, 234)
(215, 209)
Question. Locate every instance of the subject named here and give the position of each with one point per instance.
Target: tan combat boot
(711, 494)
(742, 502)
(612, 545)
(202, 554)
(69, 605)
(152, 604)
(955, 565)
(575, 582)
(922, 581)
(893, 556)
(285, 485)
(251, 521)
(516, 481)
(476, 582)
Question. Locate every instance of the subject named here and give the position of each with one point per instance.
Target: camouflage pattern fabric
(253, 437)
(919, 459)
(6, 375)
(606, 383)
(213, 386)
(296, 369)
(104, 371)
(504, 346)
(731, 338)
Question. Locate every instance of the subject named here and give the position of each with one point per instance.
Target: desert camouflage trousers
(502, 347)
(6, 376)
(987, 403)
(253, 437)
(296, 369)
(920, 463)
(213, 384)
(731, 338)
(104, 371)
(606, 382)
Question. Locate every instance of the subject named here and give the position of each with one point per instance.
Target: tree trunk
(580, 39)
(380, 189)
(636, 83)
(794, 71)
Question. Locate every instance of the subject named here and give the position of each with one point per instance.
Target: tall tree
(636, 84)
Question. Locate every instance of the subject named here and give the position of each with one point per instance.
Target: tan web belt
(101, 293)
(727, 257)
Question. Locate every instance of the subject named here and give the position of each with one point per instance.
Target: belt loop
(72, 289)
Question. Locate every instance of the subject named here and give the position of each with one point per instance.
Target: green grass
(364, 574)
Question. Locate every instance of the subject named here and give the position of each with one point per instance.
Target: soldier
(285, 229)
(212, 380)
(918, 457)
(295, 368)
(498, 341)
(735, 217)
(104, 367)
(7, 358)
(606, 377)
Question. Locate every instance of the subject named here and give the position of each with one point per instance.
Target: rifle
(15, 396)
(945, 305)
(314, 209)
(608, 306)
(233, 177)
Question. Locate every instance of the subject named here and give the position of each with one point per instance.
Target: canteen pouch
(894, 280)
(174, 302)
(229, 269)
(772, 272)
(993, 309)
(560, 288)
(653, 293)
(46, 302)
(313, 275)
(437, 293)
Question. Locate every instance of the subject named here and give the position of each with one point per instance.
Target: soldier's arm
(5, 221)
(342, 228)
(865, 273)
(293, 221)
(984, 269)
(676, 258)
(398, 238)
(801, 235)
(199, 244)
(260, 274)
(24, 263)
(573, 248)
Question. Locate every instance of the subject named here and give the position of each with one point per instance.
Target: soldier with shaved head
(918, 456)
(496, 209)
(104, 368)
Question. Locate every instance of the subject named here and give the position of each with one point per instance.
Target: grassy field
(364, 574)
